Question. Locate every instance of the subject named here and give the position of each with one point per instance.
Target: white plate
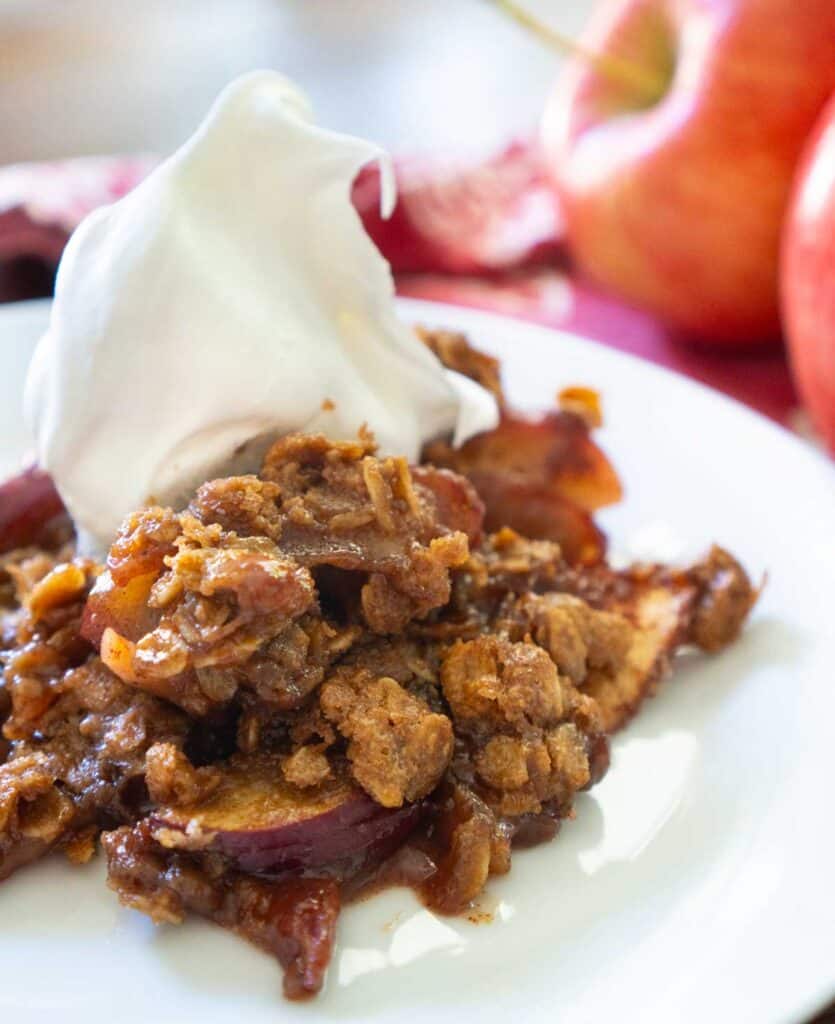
(695, 884)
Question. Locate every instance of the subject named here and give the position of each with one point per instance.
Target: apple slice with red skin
(28, 503)
(263, 824)
(542, 477)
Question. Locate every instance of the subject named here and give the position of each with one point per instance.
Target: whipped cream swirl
(232, 297)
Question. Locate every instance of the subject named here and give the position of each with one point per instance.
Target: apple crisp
(341, 672)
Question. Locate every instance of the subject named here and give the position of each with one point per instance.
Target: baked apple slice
(544, 478)
(263, 824)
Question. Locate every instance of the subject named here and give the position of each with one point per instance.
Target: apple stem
(618, 70)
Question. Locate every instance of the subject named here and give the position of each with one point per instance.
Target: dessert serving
(296, 606)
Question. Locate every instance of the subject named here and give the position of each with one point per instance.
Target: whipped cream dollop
(232, 297)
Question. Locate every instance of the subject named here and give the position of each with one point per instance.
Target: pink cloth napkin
(487, 236)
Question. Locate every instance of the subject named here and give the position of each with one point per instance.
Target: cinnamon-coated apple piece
(123, 608)
(535, 511)
(262, 823)
(540, 477)
(28, 504)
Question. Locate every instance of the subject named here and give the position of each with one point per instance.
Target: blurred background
(651, 220)
(101, 76)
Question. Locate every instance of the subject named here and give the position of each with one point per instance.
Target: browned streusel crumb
(491, 684)
(47, 644)
(172, 779)
(300, 656)
(245, 505)
(726, 597)
(529, 730)
(84, 766)
(143, 541)
(577, 636)
(33, 812)
(509, 563)
(503, 762)
(397, 746)
(252, 570)
(307, 766)
(269, 726)
(389, 605)
(634, 619)
(410, 661)
(5, 708)
(456, 353)
(81, 847)
(310, 726)
(413, 663)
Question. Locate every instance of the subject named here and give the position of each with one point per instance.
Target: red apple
(674, 193)
(808, 277)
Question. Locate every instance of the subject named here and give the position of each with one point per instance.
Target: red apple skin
(678, 207)
(262, 824)
(808, 277)
(27, 504)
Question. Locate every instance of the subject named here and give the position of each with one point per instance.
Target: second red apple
(808, 278)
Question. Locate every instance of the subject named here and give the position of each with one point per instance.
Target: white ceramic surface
(695, 884)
